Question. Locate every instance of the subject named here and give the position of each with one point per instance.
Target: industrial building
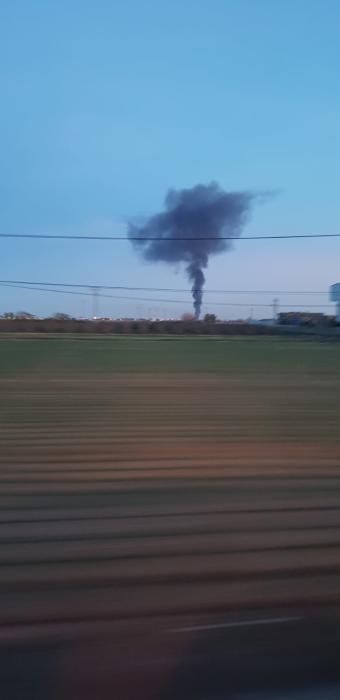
(334, 294)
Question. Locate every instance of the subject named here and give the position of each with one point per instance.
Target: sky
(106, 105)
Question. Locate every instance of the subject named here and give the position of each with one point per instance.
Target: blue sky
(107, 104)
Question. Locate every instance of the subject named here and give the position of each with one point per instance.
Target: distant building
(303, 318)
(264, 322)
(334, 293)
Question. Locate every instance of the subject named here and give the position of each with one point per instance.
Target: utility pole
(95, 303)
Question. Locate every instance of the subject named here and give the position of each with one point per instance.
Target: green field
(234, 355)
(142, 475)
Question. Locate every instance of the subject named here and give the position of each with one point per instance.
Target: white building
(334, 293)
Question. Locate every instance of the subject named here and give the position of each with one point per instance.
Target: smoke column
(204, 211)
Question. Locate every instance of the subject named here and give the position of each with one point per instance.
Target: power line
(152, 299)
(158, 289)
(58, 236)
(121, 297)
(44, 289)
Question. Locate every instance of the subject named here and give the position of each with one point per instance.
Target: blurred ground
(147, 518)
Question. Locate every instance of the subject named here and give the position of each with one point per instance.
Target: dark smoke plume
(205, 212)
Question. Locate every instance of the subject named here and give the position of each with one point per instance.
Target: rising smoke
(203, 212)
